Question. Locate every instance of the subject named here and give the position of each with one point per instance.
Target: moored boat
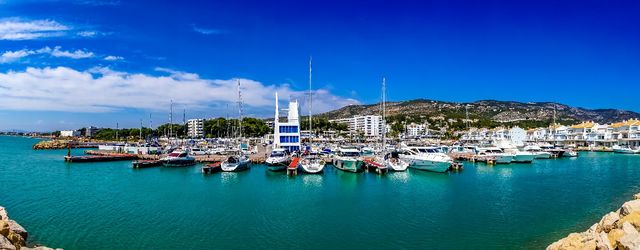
(278, 160)
(538, 152)
(394, 163)
(236, 163)
(348, 159)
(499, 156)
(312, 164)
(426, 158)
(178, 159)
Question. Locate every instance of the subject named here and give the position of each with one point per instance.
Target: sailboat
(391, 160)
(311, 163)
(240, 161)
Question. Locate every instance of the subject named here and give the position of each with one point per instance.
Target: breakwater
(62, 144)
(616, 230)
(13, 235)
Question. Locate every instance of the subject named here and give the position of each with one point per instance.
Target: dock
(379, 168)
(100, 158)
(146, 163)
(292, 169)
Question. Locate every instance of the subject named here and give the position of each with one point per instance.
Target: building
(286, 135)
(91, 131)
(195, 128)
(69, 133)
(415, 130)
(517, 136)
(368, 125)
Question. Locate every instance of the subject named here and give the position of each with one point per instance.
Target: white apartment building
(69, 133)
(413, 130)
(369, 125)
(195, 128)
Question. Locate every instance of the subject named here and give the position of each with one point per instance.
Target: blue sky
(71, 63)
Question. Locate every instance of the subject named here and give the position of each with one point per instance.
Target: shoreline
(615, 230)
(14, 236)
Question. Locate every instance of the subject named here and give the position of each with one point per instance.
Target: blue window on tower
(288, 129)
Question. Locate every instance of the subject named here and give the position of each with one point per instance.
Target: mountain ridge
(495, 110)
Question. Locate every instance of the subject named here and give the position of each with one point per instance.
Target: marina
(482, 198)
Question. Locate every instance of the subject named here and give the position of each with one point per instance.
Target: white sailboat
(311, 163)
(240, 161)
(390, 160)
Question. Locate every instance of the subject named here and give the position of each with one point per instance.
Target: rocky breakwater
(12, 235)
(616, 230)
(53, 144)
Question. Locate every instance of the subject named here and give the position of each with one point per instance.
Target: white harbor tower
(286, 135)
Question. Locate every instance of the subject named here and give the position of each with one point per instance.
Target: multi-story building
(69, 133)
(414, 130)
(286, 135)
(91, 131)
(195, 128)
(627, 132)
(368, 125)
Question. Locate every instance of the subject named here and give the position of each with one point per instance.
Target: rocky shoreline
(13, 236)
(616, 230)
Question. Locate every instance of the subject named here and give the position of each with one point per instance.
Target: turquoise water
(110, 205)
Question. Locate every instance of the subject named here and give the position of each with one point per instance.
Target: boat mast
(141, 129)
(310, 102)
(170, 120)
(239, 111)
(384, 123)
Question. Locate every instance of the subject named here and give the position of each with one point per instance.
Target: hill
(492, 110)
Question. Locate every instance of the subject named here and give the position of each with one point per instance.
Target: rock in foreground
(616, 230)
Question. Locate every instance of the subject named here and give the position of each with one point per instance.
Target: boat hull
(312, 168)
(179, 163)
(397, 165)
(353, 166)
(433, 166)
(235, 167)
(503, 159)
(543, 155)
(523, 158)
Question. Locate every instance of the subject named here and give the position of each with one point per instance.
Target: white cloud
(106, 90)
(206, 31)
(58, 52)
(113, 58)
(15, 29)
(12, 56)
(87, 33)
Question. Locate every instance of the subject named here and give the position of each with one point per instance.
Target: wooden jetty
(379, 168)
(147, 163)
(212, 168)
(99, 158)
(293, 166)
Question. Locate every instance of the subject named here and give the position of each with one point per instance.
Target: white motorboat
(348, 159)
(178, 158)
(497, 154)
(426, 158)
(278, 160)
(236, 163)
(625, 150)
(538, 152)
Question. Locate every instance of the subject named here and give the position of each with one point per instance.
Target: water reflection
(312, 180)
(230, 177)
